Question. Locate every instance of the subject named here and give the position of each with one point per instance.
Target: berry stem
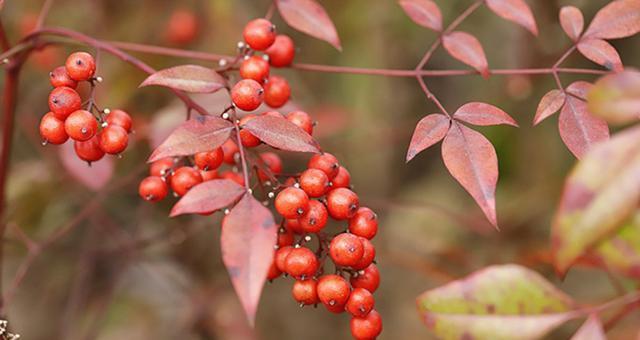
(243, 159)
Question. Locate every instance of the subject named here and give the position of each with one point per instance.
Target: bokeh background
(101, 281)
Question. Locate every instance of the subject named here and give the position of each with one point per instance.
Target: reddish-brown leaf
(572, 22)
(515, 10)
(579, 129)
(549, 104)
(207, 197)
(188, 78)
(601, 53)
(95, 176)
(590, 330)
(579, 89)
(424, 13)
(466, 48)
(483, 114)
(281, 134)
(198, 134)
(618, 19)
(248, 236)
(472, 161)
(308, 16)
(429, 130)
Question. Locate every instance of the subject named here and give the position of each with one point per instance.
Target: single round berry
(209, 160)
(342, 179)
(360, 302)
(81, 125)
(342, 203)
(89, 150)
(276, 91)
(368, 278)
(273, 162)
(294, 225)
(368, 327)
(247, 94)
(59, 77)
(285, 237)
(292, 202)
(275, 114)
(333, 291)
(153, 189)
(80, 66)
(63, 101)
(119, 118)
(326, 162)
(52, 129)
(113, 139)
(315, 219)
(185, 178)
(301, 263)
(346, 250)
(282, 52)
(259, 34)
(230, 150)
(305, 292)
(281, 257)
(273, 272)
(182, 27)
(364, 223)
(314, 182)
(247, 138)
(302, 120)
(255, 68)
(233, 176)
(368, 255)
(209, 175)
(162, 167)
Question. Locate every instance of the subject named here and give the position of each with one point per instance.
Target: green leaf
(498, 302)
(621, 253)
(616, 98)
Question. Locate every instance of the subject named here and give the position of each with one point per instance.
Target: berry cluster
(93, 136)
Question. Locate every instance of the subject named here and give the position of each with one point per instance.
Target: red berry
(63, 101)
(120, 118)
(285, 237)
(230, 150)
(81, 125)
(182, 27)
(364, 223)
(272, 114)
(368, 327)
(314, 182)
(259, 34)
(162, 167)
(368, 255)
(282, 51)
(302, 120)
(273, 272)
(292, 202)
(315, 219)
(342, 179)
(185, 178)
(247, 138)
(255, 68)
(80, 66)
(346, 250)
(59, 77)
(273, 162)
(342, 203)
(293, 225)
(209, 160)
(276, 91)
(233, 176)
(333, 291)
(247, 94)
(52, 129)
(326, 162)
(89, 150)
(360, 302)
(281, 257)
(369, 278)
(301, 263)
(153, 189)
(209, 175)
(305, 292)
(113, 139)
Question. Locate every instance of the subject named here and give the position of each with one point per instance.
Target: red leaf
(248, 236)
(195, 135)
(424, 13)
(189, 78)
(483, 114)
(282, 134)
(590, 330)
(579, 89)
(601, 53)
(572, 21)
(472, 161)
(579, 130)
(618, 19)
(308, 16)
(207, 197)
(94, 177)
(515, 10)
(466, 48)
(429, 130)
(549, 104)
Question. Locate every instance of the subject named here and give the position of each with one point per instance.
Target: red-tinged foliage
(572, 22)
(429, 130)
(515, 10)
(619, 19)
(601, 53)
(483, 114)
(94, 176)
(188, 78)
(466, 48)
(281, 134)
(590, 330)
(424, 13)
(550, 103)
(308, 16)
(207, 197)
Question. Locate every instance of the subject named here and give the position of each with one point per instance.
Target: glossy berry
(275, 114)
(282, 52)
(368, 278)
(247, 138)
(368, 255)
(326, 162)
(364, 223)
(285, 237)
(162, 167)
(233, 176)
(255, 68)
(281, 257)
(182, 27)
(185, 178)
(302, 120)
(276, 91)
(273, 162)
(52, 129)
(153, 189)
(81, 125)
(333, 291)
(259, 34)
(342, 203)
(293, 225)
(113, 139)
(209, 160)
(360, 302)
(273, 272)
(120, 118)
(342, 179)
(63, 101)
(315, 219)
(314, 182)
(301, 263)
(89, 150)
(209, 175)
(305, 292)
(346, 250)
(59, 77)
(368, 327)
(230, 150)
(292, 202)
(80, 66)
(247, 94)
